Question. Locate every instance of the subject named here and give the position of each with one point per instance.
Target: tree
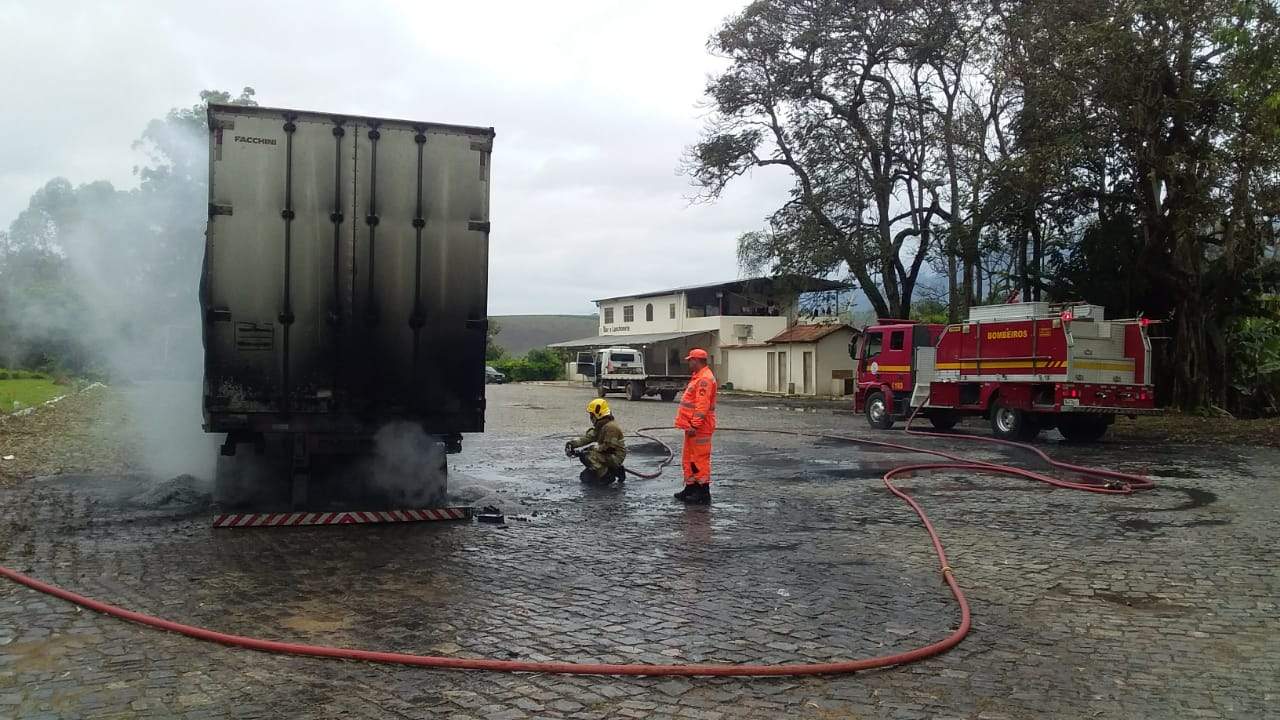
(492, 350)
(826, 89)
(92, 277)
(1184, 97)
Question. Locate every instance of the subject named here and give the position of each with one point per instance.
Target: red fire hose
(1112, 482)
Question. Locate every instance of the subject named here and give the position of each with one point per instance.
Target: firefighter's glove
(690, 432)
(568, 449)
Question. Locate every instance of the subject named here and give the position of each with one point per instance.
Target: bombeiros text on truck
(1026, 367)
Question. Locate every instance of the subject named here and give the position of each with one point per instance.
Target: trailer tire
(943, 420)
(1082, 428)
(635, 390)
(667, 395)
(1010, 423)
(879, 411)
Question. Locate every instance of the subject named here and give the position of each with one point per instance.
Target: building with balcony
(722, 318)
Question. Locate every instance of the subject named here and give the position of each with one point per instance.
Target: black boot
(703, 494)
(587, 476)
(687, 494)
(620, 476)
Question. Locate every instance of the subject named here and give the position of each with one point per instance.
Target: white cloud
(593, 103)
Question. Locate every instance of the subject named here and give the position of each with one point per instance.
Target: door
(782, 372)
(771, 372)
(895, 359)
(269, 287)
(419, 212)
(808, 373)
(586, 365)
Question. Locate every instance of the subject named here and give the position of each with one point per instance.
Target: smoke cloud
(409, 467)
(101, 282)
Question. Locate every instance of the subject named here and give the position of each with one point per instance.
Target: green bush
(537, 365)
(4, 375)
(1255, 356)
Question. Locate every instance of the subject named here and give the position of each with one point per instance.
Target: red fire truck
(1026, 367)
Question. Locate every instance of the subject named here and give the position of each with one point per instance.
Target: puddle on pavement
(44, 655)
(1143, 602)
(1196, 498)
(859, 472)
(1145, 525)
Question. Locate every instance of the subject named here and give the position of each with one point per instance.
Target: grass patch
(16, 394)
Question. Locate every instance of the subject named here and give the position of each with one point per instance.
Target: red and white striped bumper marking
(242, 520)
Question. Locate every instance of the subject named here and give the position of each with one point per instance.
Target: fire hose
(1088, 479)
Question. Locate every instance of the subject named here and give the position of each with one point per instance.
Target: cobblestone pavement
(1158, 605)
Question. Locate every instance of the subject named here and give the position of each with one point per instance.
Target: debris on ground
(1175, 427)
(85, 432)
(183, 491)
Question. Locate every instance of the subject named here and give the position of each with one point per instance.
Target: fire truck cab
(1025, 367)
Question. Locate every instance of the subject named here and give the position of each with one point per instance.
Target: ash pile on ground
(180, 493)
(466, 491)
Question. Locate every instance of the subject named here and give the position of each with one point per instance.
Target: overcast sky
(593, 103)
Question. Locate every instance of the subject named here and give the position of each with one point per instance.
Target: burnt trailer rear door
(346, 272)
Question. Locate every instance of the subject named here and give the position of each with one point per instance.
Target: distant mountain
(518, 334)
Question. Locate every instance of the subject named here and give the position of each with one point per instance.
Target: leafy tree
(492, 350)
(94, 277)
(814, 87)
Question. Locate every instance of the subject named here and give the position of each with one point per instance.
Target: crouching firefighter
(604, 461)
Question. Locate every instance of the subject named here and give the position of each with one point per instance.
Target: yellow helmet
(598, 408)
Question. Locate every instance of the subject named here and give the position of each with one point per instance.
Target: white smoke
(408, 466)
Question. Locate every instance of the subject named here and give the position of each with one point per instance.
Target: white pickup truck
(621, 370)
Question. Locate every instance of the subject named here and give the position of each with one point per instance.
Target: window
(672, 308)
(628, 313)
(896, 339)
(622, 357)
(648, 312)
(608, 316)
(875, 343)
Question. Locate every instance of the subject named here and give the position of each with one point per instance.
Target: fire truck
(1025, 367)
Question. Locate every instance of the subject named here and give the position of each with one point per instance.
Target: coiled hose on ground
(1088, 479)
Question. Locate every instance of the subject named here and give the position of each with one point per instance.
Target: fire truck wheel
(879, 415)
(1084, 429)
(1010, 423)
(943, 420)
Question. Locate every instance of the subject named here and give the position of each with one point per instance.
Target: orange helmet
(696, 354)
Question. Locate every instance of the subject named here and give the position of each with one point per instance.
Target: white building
(804, 359)
(727, 320)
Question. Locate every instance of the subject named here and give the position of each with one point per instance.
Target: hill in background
(518, 334)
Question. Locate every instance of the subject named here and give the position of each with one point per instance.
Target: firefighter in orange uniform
(697, 418)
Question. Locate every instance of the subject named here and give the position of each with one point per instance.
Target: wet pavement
(1161, 604)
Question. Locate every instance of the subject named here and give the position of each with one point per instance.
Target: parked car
(493, 376)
